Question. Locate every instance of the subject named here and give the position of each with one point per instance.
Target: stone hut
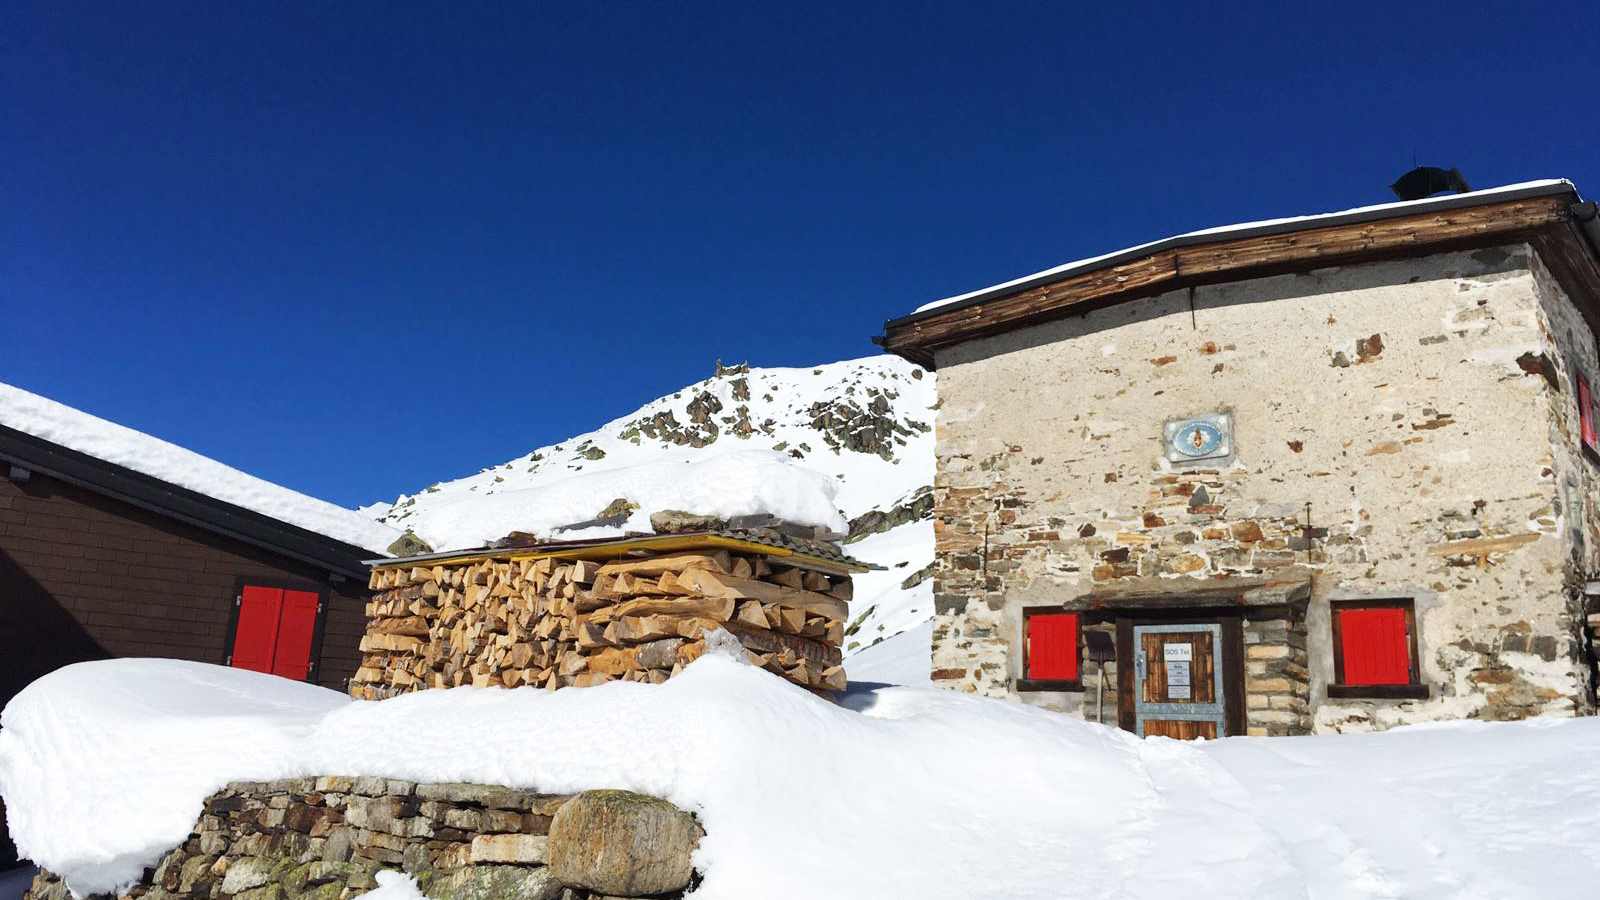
(1335, 473)
(581, 613)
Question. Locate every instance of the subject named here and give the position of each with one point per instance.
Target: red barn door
(275, 631)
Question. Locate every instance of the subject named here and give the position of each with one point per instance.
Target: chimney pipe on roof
(1425, 181)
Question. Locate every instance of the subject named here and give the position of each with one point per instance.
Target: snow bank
(740, 483)
(927, 794)
(77, 430)
(901, 659)
(103, 764)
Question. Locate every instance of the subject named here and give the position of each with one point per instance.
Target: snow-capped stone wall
(327, 838)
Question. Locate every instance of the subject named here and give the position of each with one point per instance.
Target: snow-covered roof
(1543, 186)
(119, 445)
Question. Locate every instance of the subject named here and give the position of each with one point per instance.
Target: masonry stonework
(1405, 430)
(327, 838)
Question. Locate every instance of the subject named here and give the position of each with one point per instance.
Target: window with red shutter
(296, 630)
(1586, 423)
(255, 635)
(275, 631)
(1375, 650)
(1051, 654)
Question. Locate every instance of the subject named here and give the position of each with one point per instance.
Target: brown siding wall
(85, 576)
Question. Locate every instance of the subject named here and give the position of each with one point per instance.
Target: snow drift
(741, 483)
(926, 794)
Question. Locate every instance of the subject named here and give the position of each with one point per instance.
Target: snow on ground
(394, 886)
(882, 607)
(808, 415)
(926, 793)
(164, 722)
(902, 659)
(77, 430)
(1408, 205)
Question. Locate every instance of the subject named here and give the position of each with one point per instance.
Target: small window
(1586, 422)
(1051, 651)
(1375, 650)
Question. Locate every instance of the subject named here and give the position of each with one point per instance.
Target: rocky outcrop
(326, 838)
(913, 508)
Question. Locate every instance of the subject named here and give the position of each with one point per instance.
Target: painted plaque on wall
(1201, 439)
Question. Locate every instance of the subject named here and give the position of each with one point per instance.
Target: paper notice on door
(1177, 658)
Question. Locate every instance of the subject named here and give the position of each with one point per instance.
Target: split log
(718, 560)
(714, 584)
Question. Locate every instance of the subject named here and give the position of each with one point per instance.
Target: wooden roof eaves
(1229, 257)
(182, 504)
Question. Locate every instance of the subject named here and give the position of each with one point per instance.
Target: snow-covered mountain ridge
(865, 426)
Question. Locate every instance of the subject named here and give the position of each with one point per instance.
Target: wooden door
(1178, 681)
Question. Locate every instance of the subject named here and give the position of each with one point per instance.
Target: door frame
(236, 599)
(1230, 659)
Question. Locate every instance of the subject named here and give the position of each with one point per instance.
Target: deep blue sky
(355, 249)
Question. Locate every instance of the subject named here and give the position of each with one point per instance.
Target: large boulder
(623, 844)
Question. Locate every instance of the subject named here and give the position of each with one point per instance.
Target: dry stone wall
(326, 838)
(1404, 430)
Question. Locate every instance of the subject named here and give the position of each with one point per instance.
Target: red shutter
(299, 624)
(1375, 647)
(256, 636)
(1053, 647)
(1586, 414)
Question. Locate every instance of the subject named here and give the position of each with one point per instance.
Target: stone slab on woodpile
(325, 839)
(553, 623)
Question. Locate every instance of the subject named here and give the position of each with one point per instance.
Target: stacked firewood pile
(548, 622)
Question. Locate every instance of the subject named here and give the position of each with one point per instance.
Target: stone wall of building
(1391, 423)
(326, 838)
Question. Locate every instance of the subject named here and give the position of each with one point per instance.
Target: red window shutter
(1586, 414)
(1375, 647)
(292, 658)
(256, 635)
(1053, 647)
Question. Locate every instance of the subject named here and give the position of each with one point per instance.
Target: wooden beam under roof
(1237, 256)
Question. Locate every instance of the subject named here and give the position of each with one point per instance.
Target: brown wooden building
(98, 560)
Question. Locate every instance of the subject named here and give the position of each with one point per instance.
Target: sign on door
(1179, 658)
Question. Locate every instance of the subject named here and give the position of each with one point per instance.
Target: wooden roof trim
(631, 546)
(182, 504)
(1228, 259)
